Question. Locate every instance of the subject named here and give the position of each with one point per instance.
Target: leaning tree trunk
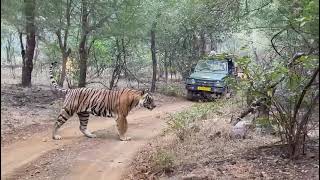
(83, 52)
(27, 55)
(153, 54)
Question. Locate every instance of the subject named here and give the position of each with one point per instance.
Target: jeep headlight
(191, 81)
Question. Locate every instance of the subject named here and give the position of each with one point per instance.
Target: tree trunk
(83, 62)
(160, 74)
(23, 51)
(63, 44)
(64, 67)
(83, 52)
(65, 56)
(114, 77)
(10, 54)
(27, 56)
(202, 44)
(166, 66)
(170, 67)
(124, 54)
(117, 70)
(153, 54)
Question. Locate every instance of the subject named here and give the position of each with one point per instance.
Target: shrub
(182, 123)
(172, 90)
(162, 161)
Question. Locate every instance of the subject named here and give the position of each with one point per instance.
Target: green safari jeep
(208, 79)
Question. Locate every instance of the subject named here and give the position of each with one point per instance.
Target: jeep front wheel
(190, 95)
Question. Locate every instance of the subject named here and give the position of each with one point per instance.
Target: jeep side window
(230, 66)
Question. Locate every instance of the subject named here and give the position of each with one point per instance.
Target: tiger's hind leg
(84, 118)
(62, 118)
(122, 126)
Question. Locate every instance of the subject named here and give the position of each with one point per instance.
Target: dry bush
(162, 160)
(184, 123)
(171, 89)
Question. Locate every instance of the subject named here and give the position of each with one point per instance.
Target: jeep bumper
(209, 89)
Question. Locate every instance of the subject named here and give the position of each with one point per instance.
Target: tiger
(100, 102)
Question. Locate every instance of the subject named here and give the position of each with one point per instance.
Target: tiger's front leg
(62, 118)
(84, 118)
(122, 126)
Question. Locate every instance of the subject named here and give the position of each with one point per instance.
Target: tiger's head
(147, 100)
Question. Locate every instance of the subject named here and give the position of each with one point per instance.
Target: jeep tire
(190, 95)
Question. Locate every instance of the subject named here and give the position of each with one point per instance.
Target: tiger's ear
(144, 91)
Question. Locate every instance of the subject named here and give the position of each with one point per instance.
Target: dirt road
(78, 157)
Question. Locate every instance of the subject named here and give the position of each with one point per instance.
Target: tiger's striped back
(100, 102)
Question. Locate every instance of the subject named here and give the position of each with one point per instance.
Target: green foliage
(179, 24)
(12, 13)
(293, 28)
(184, 22)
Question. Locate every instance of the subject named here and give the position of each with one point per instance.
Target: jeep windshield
(212, 66)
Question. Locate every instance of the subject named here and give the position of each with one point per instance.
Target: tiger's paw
(56, 137)
(91, 135)
(125, 138)
(88, 133)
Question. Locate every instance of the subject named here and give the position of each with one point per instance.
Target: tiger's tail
(53, 81)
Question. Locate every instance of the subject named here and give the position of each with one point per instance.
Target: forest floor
(28, 152)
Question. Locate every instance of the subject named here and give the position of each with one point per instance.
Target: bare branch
(249, 110)
(139, 81)
(105, 19)
(58, 33)
(272, 43)
(66, 31)
(289, 65)
(304, 39)
(307, 114)
(23, 51)
(256, 9)
(304, 91)
(295, 57)
(91, 44)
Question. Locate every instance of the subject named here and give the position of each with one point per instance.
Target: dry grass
(209, 152)
(39, 77)
(176, 89)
